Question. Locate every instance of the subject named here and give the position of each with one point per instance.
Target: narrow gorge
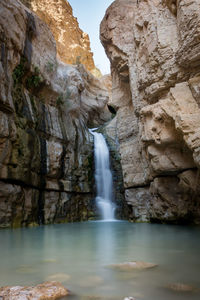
(46, 107)
(100, 174)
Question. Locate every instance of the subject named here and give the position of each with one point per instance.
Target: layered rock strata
(153, 47)
(73, 45)
(46, 152)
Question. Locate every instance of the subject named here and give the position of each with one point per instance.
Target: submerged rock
(181, 287)
(91, 281)
(49, 290)
(49, 260)
(62, 277)
(25, 269)
(96, 297)
(132, 265)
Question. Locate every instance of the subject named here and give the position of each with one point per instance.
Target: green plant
(19, 71)
(63, 98)
(35, 79)
(50, 67)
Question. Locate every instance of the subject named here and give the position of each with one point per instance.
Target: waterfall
(103, 177)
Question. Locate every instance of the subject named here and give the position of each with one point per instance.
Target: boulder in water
(49, 290)
(132, 265)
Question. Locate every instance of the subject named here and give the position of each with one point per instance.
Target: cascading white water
(103, 177)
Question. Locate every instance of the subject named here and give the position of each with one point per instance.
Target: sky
(89, 14)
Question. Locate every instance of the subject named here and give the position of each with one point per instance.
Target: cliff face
(46, 172)
(154, 51)
(73, 45)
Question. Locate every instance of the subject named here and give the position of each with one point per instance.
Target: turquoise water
(78, 254)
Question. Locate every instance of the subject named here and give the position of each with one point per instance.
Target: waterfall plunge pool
(77, 255)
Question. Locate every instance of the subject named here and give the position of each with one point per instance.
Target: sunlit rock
(73, 45)
(48, 290)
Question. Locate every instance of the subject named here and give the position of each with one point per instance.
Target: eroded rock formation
(46, 153)
(73, 45)
(154, 48)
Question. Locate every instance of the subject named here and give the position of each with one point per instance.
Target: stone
(61, 277)
(181, 287)
(133, 266)
(139, 199)
(97, 297)
(51, 290)
(91, 281)
(153, 47)
(46, 105)
(73, 45)
(27, 269)
(49, 260)
(170, 202)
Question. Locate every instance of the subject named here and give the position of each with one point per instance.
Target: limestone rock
(91, 281)
(97, 297)
(51, 290)
(73, 45)
(170, 202)
(46, 150)
(133, 265)
(181, 287)
(153, 47)
(62, 277)
(139, 199)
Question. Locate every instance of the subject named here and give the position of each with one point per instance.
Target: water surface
(77, 254)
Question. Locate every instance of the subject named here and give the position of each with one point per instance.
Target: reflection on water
(77, 255)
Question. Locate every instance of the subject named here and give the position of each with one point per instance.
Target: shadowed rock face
(153, 47)
(73, 45)
(46, 151)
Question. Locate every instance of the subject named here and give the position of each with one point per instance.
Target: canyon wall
(154, 50)
(46, 151)
(73, 45)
